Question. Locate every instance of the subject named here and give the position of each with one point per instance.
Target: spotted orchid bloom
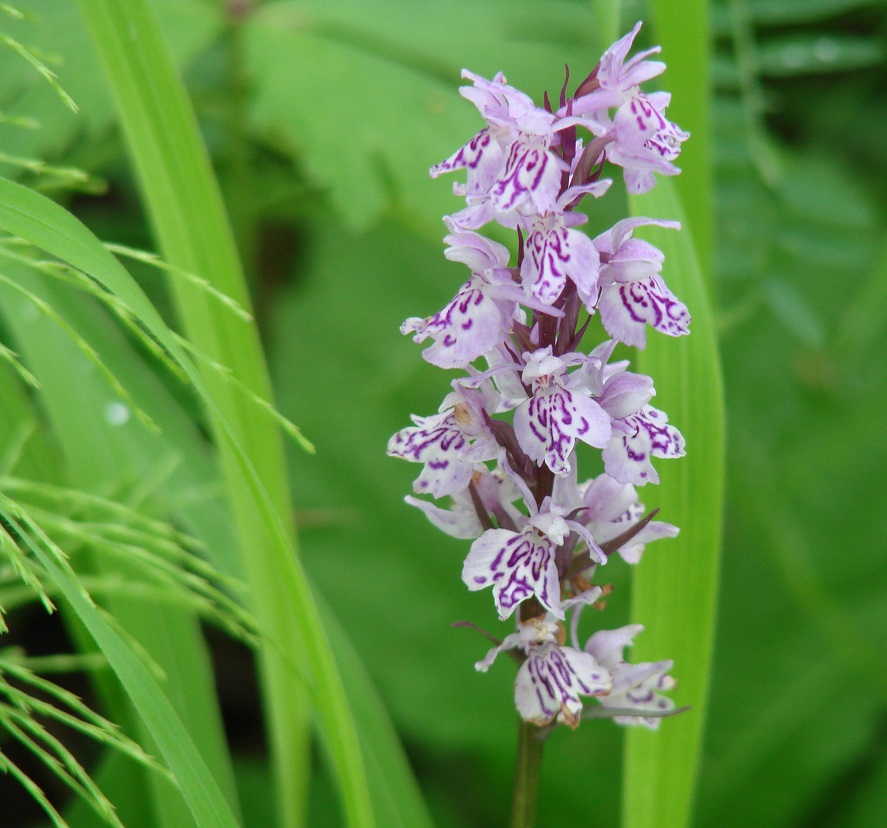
(501, 458)
(618, 391)
(553, 678)
(645, 141)
(632, 293)
(510, 157)
(449, 444)
(480, 314)
(608, 510)
(508, 112)
(479, 210)
(530, 180)
(614, 80)
(496, 493)
(637, 439)
(554, 253)
(638, 431)
(612, 508)
(638, 138)
(519, 565)
(635, 687)
(524, 564)
(559, 412)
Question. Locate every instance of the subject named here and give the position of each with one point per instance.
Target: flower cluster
(502, 450)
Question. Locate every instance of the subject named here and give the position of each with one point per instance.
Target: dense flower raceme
(500, 456)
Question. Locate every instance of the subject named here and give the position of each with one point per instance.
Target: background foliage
(322, 119)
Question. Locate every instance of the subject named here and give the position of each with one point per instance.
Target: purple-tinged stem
(526, 778)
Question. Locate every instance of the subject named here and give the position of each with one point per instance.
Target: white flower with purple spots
(504, 446)
(553, 678)
(482, 157)
(617, 76)
(508, 113)
(635, 687)
(510, 159)
(638, 431)
(531, 179)
(626, 259)
(554, 253)
(477, 319)
(639, 138)
(632, 294)
(645, 141)
(450, 443)
(635, 440)
(612, 508)
(479, 210)
(559, 412)
(496, 493)
(626, 393)
(618, 391)
(615, 80)
(505, 108)
(519, 565)
(626, 310)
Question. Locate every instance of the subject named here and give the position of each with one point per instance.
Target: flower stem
(526, 776)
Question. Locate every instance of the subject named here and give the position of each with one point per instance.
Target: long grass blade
(188, 217)
(683, 33)
(674, 592)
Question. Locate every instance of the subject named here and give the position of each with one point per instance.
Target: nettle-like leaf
(364, 95)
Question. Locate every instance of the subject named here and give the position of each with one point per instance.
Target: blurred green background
(322, 118)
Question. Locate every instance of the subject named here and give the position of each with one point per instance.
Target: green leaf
(188, 216)
(674, 590)
(865, 316)
(397, 800)
(365, 95)
(808, 54)
(686, 50)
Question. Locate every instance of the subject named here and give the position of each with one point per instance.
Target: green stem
(526, 776)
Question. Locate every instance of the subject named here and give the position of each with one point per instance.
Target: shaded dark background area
(319, 117)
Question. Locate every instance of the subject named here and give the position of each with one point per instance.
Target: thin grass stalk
(172, 638)
(206, 802)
